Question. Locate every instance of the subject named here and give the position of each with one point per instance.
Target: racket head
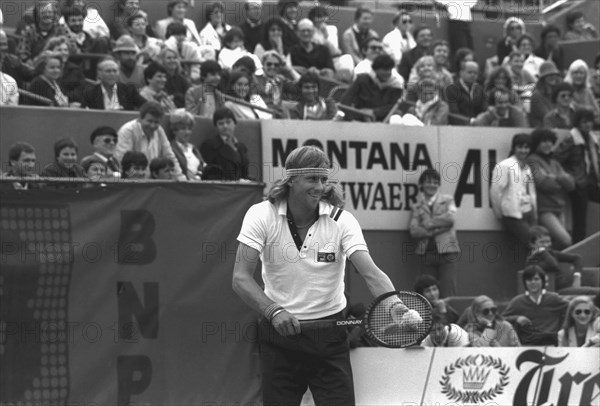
(381, 328)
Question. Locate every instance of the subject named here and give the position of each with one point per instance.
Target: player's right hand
(286, 324)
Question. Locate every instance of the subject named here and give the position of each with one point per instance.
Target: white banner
(379, 165)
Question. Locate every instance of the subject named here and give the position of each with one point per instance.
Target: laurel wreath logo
(473, 396)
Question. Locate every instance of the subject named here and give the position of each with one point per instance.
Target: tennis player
(303, 239)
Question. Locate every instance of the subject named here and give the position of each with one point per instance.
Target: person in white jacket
(512, 192)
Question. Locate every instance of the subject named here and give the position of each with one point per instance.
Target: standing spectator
(104, 141)
(271, 39)
(252, 25)
(65, 163)
(579, 154)
(149, 47)
(203, 99)
(560, 115)
(22, 164)
(135, 165)
(465, 96)
(432, 226)
(513, 29)
(541, 98)
(126, 52)
(307, 54)
(354, 36)
(311, 106)
(109, 94)
(156, 80)
(486, 328)
(177, 84)
(176, 11)
(180, 128)
(375, 92)
(48, 66)
(423, 39)
(536, 314)
(578, 328)
(239, 88)
(550, 48)
(512, 191)
(523, 82)
(227, 156)
(400, 40)
(552, 184)
(288, 12)
(214, 31)
(578, 28)
(146, 135)
(578, 76)
(500, 112)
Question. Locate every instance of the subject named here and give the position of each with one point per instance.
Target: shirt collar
(539, 299)
(324, 208)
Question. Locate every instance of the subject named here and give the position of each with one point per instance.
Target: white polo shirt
(309, 283)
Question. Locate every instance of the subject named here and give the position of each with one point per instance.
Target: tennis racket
(393, 320)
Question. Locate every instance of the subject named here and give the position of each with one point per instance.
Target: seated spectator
(72, 79)
(65, 163)
(550, 48)
(541, 98)
(576, 154)
(126, 53)
(11, 65)
(176, 11)
(227, 156)
(432, 227)
(514, 28)
(9, 90)
(578, 29)
(522, 80)
(441, 51)
(354, 36)
(104, 141)
(162, 168)
(536, 314)
(486, 328)
(429, 108)
(552, 184)
(134, 165)
(311, 106)
(465, 96)
(288, 13)
(309, 55)
(149, 47)
(446, 335)
(124, 10)
(93, 23)
(180, 128)
(578, 329)
(109, 94)
(21, 164)
(146, 135)
(203, 99)
(187, 50)
(48, 66)
(177, 84)
(560, 115)
(88, 32)
(424, 38)
(428, 286)
(501, 113)
(531, 63)
(498, 78)
(376, 92)
(271, 39)
(233, 49)
(155, 76)
(461, 56)
(239, 88)
(371, 49)
(578, 76)
(325, 34)
(272, 84)
(213, 33)
(45, 26)
(426, 67)
(563, 265)
(595, 78)
(94, 168)
(400, 40)
(253, 24)
(512, 193)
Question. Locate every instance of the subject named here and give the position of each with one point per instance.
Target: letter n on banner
(35, 276)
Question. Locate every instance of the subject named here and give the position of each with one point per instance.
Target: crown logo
(474, 378)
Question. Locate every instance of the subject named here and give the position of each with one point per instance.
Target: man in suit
(424, 39)
(465, 96)
(109, 94)
(104, 141)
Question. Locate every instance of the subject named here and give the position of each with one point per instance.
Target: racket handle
(330, 322)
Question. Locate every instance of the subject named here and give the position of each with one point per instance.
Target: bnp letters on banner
(378, 166)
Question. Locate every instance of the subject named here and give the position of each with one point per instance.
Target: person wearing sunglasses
(400, 39)
(277, 79)
(104, 141)
(579, 328)
(486, 328)
(371, 49)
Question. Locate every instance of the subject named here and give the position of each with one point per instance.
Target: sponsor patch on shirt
(325, 257)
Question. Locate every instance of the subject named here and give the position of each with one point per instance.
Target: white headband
(306, 172)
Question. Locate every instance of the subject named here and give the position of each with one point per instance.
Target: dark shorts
(317, 359)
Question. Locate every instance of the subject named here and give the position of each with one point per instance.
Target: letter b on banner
(135, 239)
